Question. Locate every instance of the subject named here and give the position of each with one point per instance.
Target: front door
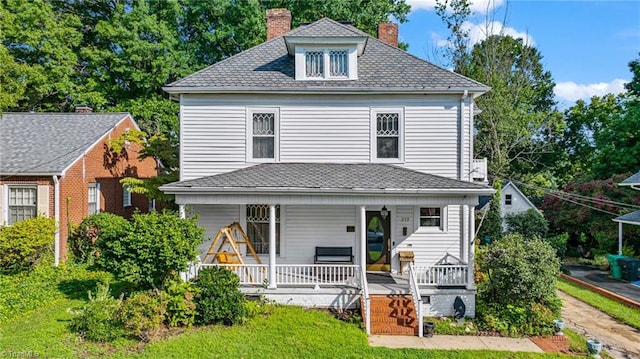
(378, 242)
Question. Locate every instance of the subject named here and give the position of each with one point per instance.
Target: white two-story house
(325, 137)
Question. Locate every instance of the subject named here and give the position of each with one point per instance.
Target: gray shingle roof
(633, 180)
(46, 143)
(268, 67)
(633, 217)
(326, 177)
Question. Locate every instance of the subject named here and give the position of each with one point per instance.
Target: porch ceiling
(324, 183)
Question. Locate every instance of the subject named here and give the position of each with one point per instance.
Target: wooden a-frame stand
(228, 236)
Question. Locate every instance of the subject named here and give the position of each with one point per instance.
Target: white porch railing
(287, 274)
(417, 299)
(479, 170)
(366, 301)
(442, 275)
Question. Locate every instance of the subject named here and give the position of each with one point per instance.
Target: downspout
(56, 217)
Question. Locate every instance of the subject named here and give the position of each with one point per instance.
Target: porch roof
(322, 177)
(629, 218)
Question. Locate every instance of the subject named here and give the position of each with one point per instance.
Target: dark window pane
(429, 222)
(263, 147)
(387, 147)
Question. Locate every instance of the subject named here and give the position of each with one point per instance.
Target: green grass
(614, 309)
(287, 332)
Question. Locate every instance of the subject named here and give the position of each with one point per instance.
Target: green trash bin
(629, 268)
(614, 265)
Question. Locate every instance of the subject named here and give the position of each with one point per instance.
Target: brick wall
(99, 166)
(278, 22)
(388, 33)
(32, 181)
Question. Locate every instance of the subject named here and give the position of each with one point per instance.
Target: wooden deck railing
(442, 275)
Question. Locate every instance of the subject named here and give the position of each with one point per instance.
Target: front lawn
(609, 306)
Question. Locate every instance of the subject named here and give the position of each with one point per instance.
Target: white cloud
(477, 6)
(479, 32)
(572, 91)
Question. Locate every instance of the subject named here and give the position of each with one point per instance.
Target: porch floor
(387, 283)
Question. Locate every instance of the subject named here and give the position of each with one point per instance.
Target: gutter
(324, 191)
(56, 211)
(476, 91)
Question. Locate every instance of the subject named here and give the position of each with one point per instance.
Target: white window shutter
(43, 200)
(3, 220)
(98, 195)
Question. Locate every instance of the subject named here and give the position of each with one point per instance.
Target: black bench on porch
(333, 255)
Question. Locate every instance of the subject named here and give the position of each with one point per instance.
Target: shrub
(518, 271)
(142, 313)
(529, 224)
(559, 243)
(157, 247)
(97, 230)
(23, 244)
(181, 308)
(517, 295)
(218, 299)
(99, 319)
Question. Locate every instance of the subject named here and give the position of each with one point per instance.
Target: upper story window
(93, 198)
(387, 137)
(126, 196)
(263, 134)
(326, 63)
(23, 203)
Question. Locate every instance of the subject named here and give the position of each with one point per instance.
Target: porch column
(619, 238)
(272, 247)
(471, 249)
(181, 211)
(464, 233)
(363, 240)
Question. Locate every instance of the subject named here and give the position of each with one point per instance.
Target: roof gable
(631, 181)
(517, 191)
(47, 143)
(269, 68)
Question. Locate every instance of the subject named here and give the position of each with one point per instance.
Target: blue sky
(585, 44)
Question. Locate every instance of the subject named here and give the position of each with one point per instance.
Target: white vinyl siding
(428, 246)
(3, 205)
(310, 226)
(319, 128)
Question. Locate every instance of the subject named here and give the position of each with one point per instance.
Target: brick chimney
(83, 109)
(388, 33)
(278, 22)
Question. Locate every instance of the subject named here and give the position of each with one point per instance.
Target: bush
(559, 243)
(218, 299)
(142, 313)
(529, 224)
(25, 243)
(181, 308)
(100, 229)
(156, 248)
(513, 320)
(518, 271)
(99, 319)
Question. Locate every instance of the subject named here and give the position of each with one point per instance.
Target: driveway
(620, 340)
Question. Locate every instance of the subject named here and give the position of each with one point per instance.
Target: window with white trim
(326, 63)
(387, 127)
(126, 196)
(93, 202)
(431, 217)
(258, 227)
(23, 203)
(263, 134)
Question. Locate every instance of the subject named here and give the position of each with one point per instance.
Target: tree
(12, 86)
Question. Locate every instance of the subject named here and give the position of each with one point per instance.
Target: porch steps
(393, 314)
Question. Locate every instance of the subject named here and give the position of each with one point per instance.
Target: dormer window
(326, 63)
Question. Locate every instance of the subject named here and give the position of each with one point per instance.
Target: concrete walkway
(450, 342)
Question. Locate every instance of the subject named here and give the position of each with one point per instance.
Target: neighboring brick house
(59, 165)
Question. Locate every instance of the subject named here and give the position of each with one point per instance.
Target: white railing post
(366, 302)
(417, 299)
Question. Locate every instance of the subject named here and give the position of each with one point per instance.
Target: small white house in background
(632, 218)
(325, 137)
(512, 201)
